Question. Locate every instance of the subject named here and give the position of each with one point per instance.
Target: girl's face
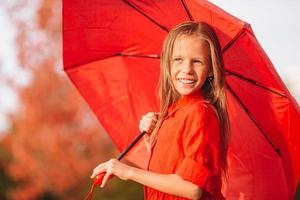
(190, 64)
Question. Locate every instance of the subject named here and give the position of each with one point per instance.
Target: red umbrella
(111, 54)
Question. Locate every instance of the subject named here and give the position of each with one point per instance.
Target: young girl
(188, 138)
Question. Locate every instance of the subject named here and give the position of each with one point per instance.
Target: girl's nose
(187, 68)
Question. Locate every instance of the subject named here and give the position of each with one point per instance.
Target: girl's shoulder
(202, 109)
(198, 116)
(201, 105)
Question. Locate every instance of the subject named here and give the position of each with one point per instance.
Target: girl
(188, 139)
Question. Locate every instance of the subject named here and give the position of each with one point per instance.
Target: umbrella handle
(98, 179)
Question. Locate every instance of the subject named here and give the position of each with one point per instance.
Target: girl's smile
(190, 64)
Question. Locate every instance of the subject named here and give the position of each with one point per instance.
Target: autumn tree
(54, 140)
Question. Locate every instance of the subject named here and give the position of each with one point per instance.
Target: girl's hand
(113, 167)
(148, 122)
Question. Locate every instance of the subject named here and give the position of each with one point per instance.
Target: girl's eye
(197, 61)
(178, 59)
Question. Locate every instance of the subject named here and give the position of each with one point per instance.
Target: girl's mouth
(186, 81)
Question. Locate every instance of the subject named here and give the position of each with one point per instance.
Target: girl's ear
(210, 75)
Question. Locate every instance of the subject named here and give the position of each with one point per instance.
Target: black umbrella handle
(131, 145)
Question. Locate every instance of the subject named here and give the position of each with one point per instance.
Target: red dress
(188, 144)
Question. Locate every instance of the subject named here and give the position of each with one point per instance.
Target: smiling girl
(188, 138)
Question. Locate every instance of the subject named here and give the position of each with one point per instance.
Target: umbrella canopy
(111, 53)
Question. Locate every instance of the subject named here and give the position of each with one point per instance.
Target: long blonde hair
(213, 89)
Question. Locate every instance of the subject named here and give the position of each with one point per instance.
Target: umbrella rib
(228, 72)
(236, 37)
(145, 15)
(187, 10)
(228, 45)
(254, 121)
(154, 56)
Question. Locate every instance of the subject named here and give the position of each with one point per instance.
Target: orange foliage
(54, 141)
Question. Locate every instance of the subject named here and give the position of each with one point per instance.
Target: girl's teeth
(186, 81)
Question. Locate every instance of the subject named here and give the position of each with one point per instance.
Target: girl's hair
(213, 88)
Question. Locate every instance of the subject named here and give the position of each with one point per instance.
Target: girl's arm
(168, 183)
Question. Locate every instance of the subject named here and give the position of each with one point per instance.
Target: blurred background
(50, 141)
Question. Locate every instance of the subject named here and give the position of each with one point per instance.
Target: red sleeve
(199, 141)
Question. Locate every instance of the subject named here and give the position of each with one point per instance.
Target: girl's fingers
(155, 116)
(147, 119)
(96, 171)
(144, 123)
(107, 175)
(100, 168)
(145, 127)
(148, 122)
(151, 116)
(153, 123)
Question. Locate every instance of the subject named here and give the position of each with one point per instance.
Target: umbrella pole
(131, 145)
(98, 179)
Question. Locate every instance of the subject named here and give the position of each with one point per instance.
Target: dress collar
(184, 101)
